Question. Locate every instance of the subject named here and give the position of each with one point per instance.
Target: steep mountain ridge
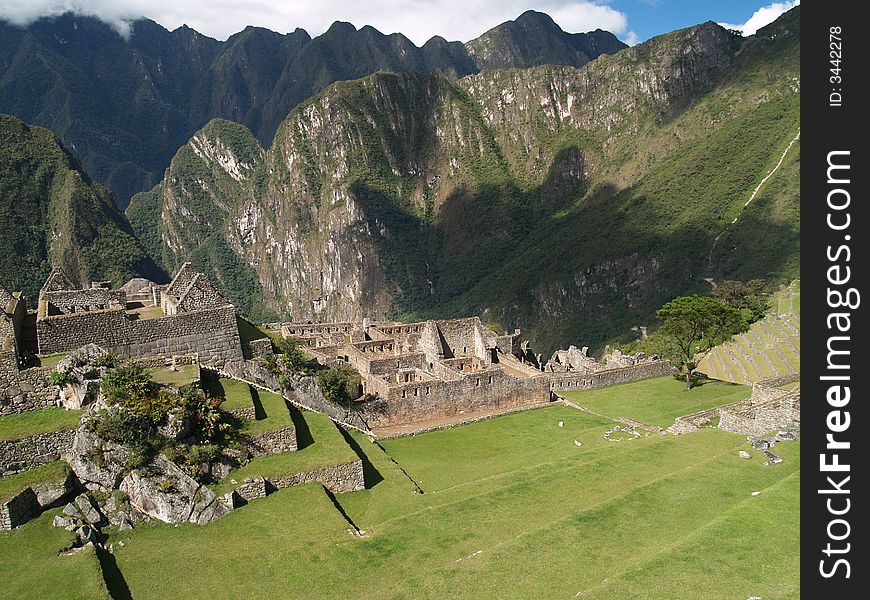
(54, 215)
(124, 106)
(568, 201)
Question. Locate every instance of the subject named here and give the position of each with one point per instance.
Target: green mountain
(567, 201)
(125, 105)
(54, 215)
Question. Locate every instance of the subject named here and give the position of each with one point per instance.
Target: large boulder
(163, 491)
(98, 465)
(54, 493)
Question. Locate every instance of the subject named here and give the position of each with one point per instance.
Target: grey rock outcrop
(98, 465)
(163, 491)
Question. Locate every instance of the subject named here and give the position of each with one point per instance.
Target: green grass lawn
(10, 485)
(271, 410)
(185, 375)
(30, 566)
(272, 414)
(658, 401)
(512, 508)
(52, 359)
(328, 448)
(14, 427)
(235, 394)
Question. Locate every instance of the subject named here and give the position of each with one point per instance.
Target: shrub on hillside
(339, 384)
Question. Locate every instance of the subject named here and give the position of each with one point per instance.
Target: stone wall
(213, 333)
(27, 453)
(262, 347)
(30, 389)
(347, 477)
(62, 333)
(766, 413)
(76, 301)
(464, 337)
(781, 380)
(491, 389)
(274, 442)
(588, 381)
(18, 510)
(765, 410)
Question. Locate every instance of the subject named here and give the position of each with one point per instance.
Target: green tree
(748, 297)
(339, 384)
(691, 326)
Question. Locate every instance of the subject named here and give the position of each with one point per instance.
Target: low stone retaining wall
(18, 510)
(244, 413)
(30, 389)
(32, 500)
(346, 477)
(274, 442)
(765, 410)
(639, 425)
(27, 453)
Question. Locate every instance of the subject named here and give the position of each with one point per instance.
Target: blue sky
(648, 18)
(631, 20)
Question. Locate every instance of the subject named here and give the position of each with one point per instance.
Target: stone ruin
(187, 316)
(415, 374)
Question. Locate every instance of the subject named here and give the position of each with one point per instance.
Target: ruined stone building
(441, 370)
(187, 317)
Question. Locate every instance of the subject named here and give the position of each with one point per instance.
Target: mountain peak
(535, 18)
(534, 39)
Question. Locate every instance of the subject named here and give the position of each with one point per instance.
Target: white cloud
(761, 17)
(453, 19)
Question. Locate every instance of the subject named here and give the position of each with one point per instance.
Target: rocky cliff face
(125, 104)
(568, 201)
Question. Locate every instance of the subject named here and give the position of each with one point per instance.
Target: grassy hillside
(647, 516)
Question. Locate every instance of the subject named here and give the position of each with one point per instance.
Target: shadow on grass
(212, 384)
(259, 411)
(337, 505)
(371, 475)
(115, 582)
(303, 434)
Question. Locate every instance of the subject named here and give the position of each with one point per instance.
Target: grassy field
(320, 444)
(272, 413)
(31, 566)
(185, 375)
(658, 401)
(14, 427)
(512, 508)
(235, 394)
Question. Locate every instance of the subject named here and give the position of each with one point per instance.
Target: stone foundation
(30, 389)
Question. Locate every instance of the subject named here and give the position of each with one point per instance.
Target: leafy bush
(61, 378)
(203, 411)
(339, 384)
